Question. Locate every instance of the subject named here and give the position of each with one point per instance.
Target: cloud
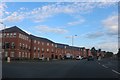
(41, 13)
(94, 35)
(44, 28)
(1, 26)
(76, 22)
(108, 45)
(14, 17)
(3, 6)
(111, 24)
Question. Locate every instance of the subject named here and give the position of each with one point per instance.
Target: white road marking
(104, 66)
(115, 71)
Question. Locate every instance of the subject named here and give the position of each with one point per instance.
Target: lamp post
(73, 39)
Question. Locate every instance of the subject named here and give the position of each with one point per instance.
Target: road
(61, 69)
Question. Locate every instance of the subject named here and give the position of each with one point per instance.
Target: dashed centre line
(104, 66)
(115, 71)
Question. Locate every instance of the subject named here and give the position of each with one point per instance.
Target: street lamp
(73, 39)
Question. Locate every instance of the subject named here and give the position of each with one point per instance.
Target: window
(47, 50)
(26, 45)
(6, 54)
(13, 45)
(52, 44)
(19, 54)
(52, 50)
(0, 35)
(29, 47)
(34, 41)
(26, 55)
(23, 46)
(42, 49)
(7, 45)
(14, 35)
(29, 40)
(38, 55)
(42, 43)
(12, 54)
(10, 34)
(19, 35)
(38, 42)
(7, 34)
(34, 55)
(22, 54)
(56, 45)
(65, 47)
(0, 44)
(20, 44)
(4, 34)
(38, 49)
(34, 49)
(47, 44)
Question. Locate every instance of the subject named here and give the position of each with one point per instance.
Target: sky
(91, 24)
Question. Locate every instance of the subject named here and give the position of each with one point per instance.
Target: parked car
(78, 57)
(90, 58)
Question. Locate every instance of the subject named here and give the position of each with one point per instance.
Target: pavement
(104, 68)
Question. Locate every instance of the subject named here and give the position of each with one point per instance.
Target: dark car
(90, 58)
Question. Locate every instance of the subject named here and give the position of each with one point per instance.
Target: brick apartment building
(18, 44)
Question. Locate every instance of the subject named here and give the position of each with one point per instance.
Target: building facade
(17, 44)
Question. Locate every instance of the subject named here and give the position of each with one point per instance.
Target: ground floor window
(6, 54)
(22, 54)
(26, 54)
(12, 54)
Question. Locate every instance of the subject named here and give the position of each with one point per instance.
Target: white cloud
(3, 6)
(1, 26)
(76, 22)
(46, 11)
(108, 46)
(111, 24)
(14, 17)
(94, 35)
(44, 28)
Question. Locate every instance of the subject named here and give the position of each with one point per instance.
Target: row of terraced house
(17, 44)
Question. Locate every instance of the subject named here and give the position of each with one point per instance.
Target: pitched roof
(40, 38)
(14, 29)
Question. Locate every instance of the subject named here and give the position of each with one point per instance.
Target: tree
(93, 51)
(118, 54)
(109, 54)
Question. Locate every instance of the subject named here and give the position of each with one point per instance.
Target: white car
(78, 57)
